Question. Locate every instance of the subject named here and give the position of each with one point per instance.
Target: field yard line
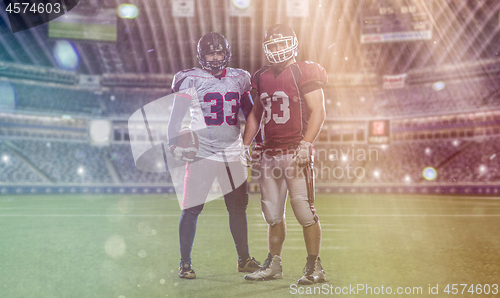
(496, 206)
(476, 197)
(412, 215)
(107, 215)
(291, 238)
(88, 215)
(322, 248)
(225, 215)
(322, 225)
(72, 208)
(300, 230)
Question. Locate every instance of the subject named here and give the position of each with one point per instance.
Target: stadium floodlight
(127, 11)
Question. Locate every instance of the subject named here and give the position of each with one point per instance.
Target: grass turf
(127, 246)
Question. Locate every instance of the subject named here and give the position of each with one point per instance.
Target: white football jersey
(214, 115)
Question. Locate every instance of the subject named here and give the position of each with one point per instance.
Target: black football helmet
(280, 35)
(210, 43)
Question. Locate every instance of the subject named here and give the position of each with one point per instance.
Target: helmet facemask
(213, 43)
(214, 66)
(280, 49)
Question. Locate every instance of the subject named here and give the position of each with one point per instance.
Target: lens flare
(65, 55)
(127, 11)
(429, 173)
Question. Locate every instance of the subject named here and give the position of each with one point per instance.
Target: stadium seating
(14, 170)
(60, 160)
(121, 157)
(53, 99)
(126, 102)
(63, 162)
(457, 96)
(66, 162)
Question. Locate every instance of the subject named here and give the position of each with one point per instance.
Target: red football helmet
(280, 43)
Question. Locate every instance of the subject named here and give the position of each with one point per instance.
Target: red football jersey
(286, 114)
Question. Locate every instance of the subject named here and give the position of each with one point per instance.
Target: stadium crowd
(456, 161)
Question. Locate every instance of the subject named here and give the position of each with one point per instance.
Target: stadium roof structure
(156, 42)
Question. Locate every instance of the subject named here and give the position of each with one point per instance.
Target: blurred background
(413, 103)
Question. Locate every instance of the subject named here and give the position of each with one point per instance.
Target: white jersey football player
(221, 92)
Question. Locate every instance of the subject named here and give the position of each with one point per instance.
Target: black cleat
(185, 271)
(249, 265)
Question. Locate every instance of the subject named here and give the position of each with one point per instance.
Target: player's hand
(257, 151)
(245, 156)
(303, 154)
(178, 152)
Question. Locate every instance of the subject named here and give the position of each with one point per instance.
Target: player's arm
(246, 106)
(316, 102)
(179, 109)
(253, 120)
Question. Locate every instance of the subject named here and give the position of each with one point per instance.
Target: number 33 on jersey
(286, 114)
(214, 113)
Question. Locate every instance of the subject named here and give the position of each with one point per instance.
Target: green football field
(127, 246)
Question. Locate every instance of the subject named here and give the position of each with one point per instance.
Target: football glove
(257, 151)
(303, 154)
(178, 152)
(245, 156)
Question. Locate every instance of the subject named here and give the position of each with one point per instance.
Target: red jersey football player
(289, 105)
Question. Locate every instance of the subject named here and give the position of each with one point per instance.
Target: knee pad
(272, 219)
(304, 212)
(274, 222)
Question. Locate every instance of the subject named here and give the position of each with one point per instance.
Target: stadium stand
(13, 169)
(35, 97)
(124, 102)
(65, 162)
(121, 157)
(471, 94)
(432, 127)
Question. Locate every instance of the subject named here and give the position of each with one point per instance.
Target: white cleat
(313, 273)
(271, 269)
